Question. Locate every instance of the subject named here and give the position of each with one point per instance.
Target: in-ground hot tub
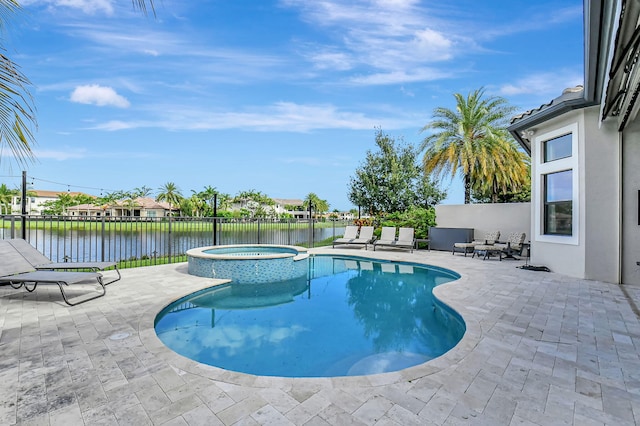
(249, 263)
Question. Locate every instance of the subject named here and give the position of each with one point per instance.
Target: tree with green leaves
(6, 196)
(470, 140)
(170, 193)
(391, 180)
(141, 191)
(319, 205)
(253, 203)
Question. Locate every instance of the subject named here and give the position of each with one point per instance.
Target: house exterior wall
(601, 198)
(631, 205)
(483, 218)
(592, 252)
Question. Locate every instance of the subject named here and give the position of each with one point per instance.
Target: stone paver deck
(540, 349)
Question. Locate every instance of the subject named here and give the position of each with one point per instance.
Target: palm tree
(171, 194)
(319, 206)
(208, 194)
(6, 196)
(142, 191)
(503, 168)
(17, 112)
(224, 201)
(464, 137)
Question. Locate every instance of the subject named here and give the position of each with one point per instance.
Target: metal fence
(136, 241)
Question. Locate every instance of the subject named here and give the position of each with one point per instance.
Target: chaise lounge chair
(16, 271)
(489, 239)
(41, 262)
(365, 237)
(387, 237)
(406, 239)
(350, 234)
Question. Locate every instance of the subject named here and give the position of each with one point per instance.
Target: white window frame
(559, 165)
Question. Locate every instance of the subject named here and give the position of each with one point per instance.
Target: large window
(556, 174)
(558, 203)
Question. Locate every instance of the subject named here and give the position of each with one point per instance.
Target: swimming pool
(350, 316)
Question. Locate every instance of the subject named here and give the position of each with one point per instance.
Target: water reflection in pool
(349, 317)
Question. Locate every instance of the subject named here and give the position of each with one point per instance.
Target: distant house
(36, 199)
(139, 207)
(298, 213)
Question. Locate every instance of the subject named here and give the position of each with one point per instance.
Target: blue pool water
(348, 317)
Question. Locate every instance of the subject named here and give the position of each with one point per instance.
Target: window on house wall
(557, 163)
(557, 148)
(558, 203)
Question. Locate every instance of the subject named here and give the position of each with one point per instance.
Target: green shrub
(418, 218)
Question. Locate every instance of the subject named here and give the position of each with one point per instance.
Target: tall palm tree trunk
(467, 189)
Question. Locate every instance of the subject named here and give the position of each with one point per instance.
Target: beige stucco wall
(602, 198)
(594, 252)
(630, 205)
(483, 218)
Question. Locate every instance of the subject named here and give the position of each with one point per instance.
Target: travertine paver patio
(540, 349)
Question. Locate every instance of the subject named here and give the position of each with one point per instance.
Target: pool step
(301, 256)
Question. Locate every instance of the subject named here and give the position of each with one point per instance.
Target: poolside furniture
(365, 237)
(350, 234)
(514, 245)
(489, 239)
(487, 250)
(387, 237)
(406, 239)
(41, 262)
(444, 238)
(16, 271)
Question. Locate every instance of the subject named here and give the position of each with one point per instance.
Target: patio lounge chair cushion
(39, 261)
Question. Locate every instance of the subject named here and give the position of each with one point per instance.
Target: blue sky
(282, 97)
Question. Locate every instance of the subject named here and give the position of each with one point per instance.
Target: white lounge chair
(350, 234)
(406, 239)
(387, 237)
(365, 237)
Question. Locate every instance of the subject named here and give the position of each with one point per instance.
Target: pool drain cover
(119, 336)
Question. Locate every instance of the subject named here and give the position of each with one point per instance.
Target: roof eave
(547, 114)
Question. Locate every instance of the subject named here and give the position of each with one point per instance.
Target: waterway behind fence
(130, 240)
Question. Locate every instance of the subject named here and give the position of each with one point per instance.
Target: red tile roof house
(139, 207)
(585, 156)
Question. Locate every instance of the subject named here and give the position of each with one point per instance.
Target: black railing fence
(136, 241)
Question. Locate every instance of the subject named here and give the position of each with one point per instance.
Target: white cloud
(380, 39)
(98, 95)
(90, 7)
(278, 117)
(547, 84)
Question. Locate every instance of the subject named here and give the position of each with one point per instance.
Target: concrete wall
(483, 218)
